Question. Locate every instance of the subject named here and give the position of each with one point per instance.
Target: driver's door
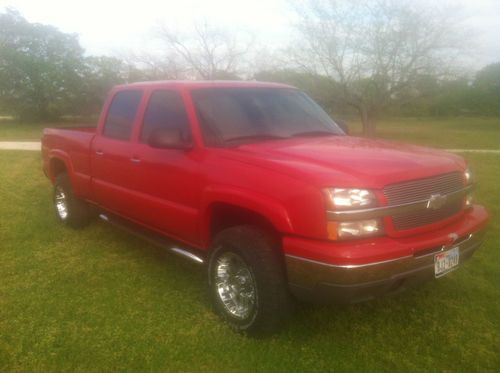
(167, 180)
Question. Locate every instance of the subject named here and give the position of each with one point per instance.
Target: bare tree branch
(376, 50)
(208, 52)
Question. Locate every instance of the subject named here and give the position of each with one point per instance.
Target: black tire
(70, 210)
(261, 255)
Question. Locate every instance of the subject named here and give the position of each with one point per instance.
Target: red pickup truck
(258, 183)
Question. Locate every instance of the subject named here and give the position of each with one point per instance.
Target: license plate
(446, 261)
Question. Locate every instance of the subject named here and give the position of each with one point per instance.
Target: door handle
(135, 160)
(99, 152)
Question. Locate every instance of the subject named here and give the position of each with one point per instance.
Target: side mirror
(343, 125)
(168, 138)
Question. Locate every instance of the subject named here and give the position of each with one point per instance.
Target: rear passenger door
(111, 153)
(167, 180)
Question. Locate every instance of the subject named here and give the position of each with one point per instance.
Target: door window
(165, 110)
(121, 114)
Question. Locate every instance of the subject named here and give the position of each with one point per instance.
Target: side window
(121, 114)
(165, 110)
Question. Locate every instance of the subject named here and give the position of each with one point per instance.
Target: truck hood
(347, 161)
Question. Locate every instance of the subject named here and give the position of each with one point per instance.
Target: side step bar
(153, 237)
(186, 254)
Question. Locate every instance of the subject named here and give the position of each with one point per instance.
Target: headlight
(347, 198)
(360, 228)
(352, 199)
(468, 176)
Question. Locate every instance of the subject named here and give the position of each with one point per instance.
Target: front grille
(424, 217)
(422, 189)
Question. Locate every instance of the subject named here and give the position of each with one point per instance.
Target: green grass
(449, 133)
(99, 299)
(462, 132)
(13, 131)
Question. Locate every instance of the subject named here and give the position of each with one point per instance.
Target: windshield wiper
(255, 137)
(314, 133)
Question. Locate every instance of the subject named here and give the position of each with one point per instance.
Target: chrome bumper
(318, 281)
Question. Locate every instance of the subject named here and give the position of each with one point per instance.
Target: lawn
(99, 299)
(450, 133)
(12, 131)
(457, 133)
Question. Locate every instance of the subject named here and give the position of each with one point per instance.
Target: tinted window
(121, 115)
(230, 115)
(165, 110)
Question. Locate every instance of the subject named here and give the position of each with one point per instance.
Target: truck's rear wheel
(247, 280)
(70, 209)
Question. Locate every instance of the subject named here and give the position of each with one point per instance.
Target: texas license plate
(446, 261)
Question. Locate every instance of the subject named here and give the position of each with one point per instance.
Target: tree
(41, 68)
(208, 52)
(319, 87)
(150, 66)
(487, 89)
(99, 75)
(377, 50)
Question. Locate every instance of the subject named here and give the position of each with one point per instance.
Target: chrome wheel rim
(235, 285)
(61, 203)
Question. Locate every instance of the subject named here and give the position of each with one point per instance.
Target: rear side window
(121, 114)
(165, 110)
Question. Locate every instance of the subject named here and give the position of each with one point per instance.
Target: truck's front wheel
(70, 209)
(247, 280)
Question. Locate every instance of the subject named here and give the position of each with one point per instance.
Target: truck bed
(83, 128)
(71, 139)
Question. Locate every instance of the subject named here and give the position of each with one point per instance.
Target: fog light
(469, 199)
(360, 228)
(469, 177)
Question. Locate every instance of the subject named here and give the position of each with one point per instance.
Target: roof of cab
(194, 84)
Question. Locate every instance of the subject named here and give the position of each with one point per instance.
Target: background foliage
(45, 74)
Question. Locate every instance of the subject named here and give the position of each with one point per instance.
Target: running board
(153, 237)
(186, 254)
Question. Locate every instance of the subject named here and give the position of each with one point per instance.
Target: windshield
(230, 116)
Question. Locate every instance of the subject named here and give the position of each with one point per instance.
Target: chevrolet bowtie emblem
(436, 201)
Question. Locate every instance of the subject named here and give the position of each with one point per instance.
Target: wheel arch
(231, 208)
(59, 162)
(57, 166)
(225, 215)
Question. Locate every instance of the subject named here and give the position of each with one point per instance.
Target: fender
(80, 182)
(269, 208)
(64, 157)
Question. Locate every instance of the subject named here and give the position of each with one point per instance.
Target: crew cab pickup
(255, 181)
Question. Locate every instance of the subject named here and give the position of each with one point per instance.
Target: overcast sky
(117, 27)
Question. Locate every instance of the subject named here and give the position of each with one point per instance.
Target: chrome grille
(424, 217)
(422, 189)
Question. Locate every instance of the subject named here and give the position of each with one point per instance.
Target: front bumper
(340, 273)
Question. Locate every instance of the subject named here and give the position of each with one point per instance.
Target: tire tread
(262, 252)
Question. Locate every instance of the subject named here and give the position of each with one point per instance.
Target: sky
(110, 27)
